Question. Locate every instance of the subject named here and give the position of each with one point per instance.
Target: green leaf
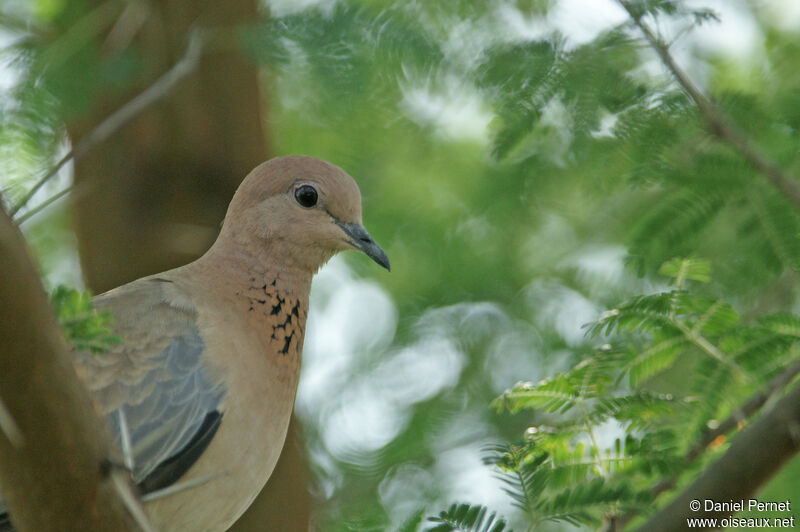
(85, 327)
(467, 518)
(783, 324)
(655, 358)
(688, 268)
(584, 504)
(643, 313)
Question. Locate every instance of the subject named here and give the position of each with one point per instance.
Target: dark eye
(306, 196)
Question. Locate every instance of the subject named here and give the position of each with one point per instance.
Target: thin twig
(710, 349)
(123, 488)
(726, 130)
(742, 469)
(719, 124)
(30, 213)
(124, 114)
(741, 414)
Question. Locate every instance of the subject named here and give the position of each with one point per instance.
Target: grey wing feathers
(155, 380)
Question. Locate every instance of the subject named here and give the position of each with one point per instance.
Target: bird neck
(246, 264)
(272, 296)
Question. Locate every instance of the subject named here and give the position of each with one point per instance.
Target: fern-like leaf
(643, 313)
(467, 518)
(681, 269)
(657, 357)
(584, 504)
(783, 324)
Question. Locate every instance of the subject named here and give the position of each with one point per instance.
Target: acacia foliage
(560, 472)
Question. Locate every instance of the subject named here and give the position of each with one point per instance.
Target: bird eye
(306, 196)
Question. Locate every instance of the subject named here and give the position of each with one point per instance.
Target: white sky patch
(352, 322)
(364, 420)
(577, 20)
(282, 8)
(419, 372)
(600, 264)
(403, 490)
(455, 110)
(347, 316)
(520, 26)
(467, 40)
(605, 434)
(512, 355)
(64, 267)
(562, 308)
(581, 21)
(735, 36)
(784, 14)
(555, 115)
(571, 312)
(457, 114)
(374, 408)
(606, 127)
(469, 479)
(8, 74)
(327, 475)
(464, 321)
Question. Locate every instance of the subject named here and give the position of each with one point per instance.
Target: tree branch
(741, 414)
(122, 116)
(54, 470)
(753, 457)
(718, 123)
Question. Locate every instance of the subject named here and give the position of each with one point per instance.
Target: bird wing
(154, 384)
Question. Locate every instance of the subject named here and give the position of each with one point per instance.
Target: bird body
(202, 385)
(242, 352)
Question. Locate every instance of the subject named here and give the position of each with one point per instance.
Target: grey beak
(360, 239)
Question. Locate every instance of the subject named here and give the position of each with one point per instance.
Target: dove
(199, 391)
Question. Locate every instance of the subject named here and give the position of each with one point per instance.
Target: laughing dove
(203, 384)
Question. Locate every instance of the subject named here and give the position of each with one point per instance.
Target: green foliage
(674, 330)
(466, 518)
(682, 269)
(84, 326)
(546, 477)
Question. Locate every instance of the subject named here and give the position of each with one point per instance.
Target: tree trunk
(53, 451)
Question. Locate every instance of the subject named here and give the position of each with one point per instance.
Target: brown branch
(718, 123)
(741, 414)
(30, 213)
(122, 116)
(54, 472)
(723, 128)
(754, 456)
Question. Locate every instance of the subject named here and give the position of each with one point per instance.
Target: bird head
(303, 208)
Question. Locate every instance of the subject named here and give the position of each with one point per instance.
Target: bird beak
(360, 239)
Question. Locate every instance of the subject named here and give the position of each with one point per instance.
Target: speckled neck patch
(284, 313)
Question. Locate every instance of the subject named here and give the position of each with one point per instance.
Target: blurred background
(526, 165)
